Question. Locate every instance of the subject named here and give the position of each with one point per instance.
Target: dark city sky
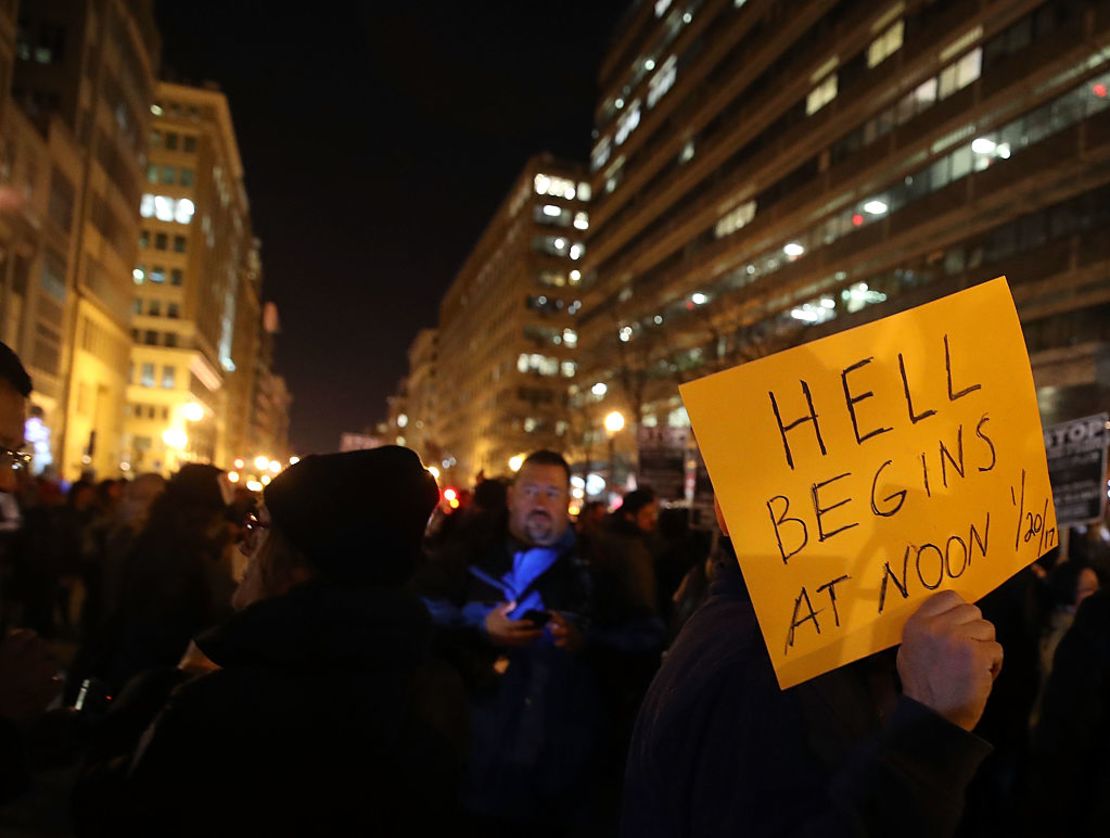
(377, 139)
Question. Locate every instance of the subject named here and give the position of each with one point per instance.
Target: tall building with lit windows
(197, 260)
(507, 333)
(84, 78)
(422, 390)
(765, 173)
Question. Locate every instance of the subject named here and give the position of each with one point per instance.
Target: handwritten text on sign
(860, 473)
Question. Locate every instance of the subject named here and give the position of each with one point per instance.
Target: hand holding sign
(949, 658)
(864, 471)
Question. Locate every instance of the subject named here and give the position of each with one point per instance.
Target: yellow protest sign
(860, 473)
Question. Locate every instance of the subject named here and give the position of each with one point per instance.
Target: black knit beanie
(357, 517)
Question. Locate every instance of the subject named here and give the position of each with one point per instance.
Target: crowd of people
(349, 654)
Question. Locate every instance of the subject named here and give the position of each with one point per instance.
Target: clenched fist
(949, 658)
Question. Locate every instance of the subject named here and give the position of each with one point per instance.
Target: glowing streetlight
(233, 476)
(294, 460)
(175, 438)
(614, 422)
(261, 463)
(239, 463)
(254, 486)
(275, 467)
(265, 480)
(515, 462)
(192, 412)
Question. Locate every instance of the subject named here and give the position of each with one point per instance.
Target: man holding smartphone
(514, 623)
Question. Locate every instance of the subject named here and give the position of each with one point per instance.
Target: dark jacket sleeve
(752, 771)
(1071, 779)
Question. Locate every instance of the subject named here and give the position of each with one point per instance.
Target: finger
(940, 603)
(994, 654)
(505, 608)
(978, 630)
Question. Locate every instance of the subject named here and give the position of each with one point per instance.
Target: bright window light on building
(687, 153)
(575, 276)
(658, 320)
(1003, 150)
(573, 308)
(649, 65)
(875, 207)
(813, 312)
(735, 219)
(860, 295)
(146, 206)
(687, 18)
(560, 244)
(600, 154)
(661, 7)
(552, 211)
(886, 44)
(569, 369)
(662, 81)
(163, 208)
(570, 337)
(627, 123)
(698, 298)
(402, 420)
(183, 212)
(156, 110)
(584, 191)
(619, 103)
(541, 183)
(793, 249)
(581, 221)
(138, 274)
(530, 424)
(576, 251)
(600, 389)
(983, 145)
(625, 334)
(821, 95)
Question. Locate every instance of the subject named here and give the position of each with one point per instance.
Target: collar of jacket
(317, 625)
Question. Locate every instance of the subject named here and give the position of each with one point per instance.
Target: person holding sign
(720, 750)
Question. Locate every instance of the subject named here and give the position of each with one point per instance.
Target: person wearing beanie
(173, 583)
(318, 709)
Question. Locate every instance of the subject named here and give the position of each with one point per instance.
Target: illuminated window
(169, 375)
(570, 337)
(735, 219)
(661, 7)
(584, 191)
(600, 155)
(886, 44)
(138, 274)
(558, 187)
(569, 368)
(627, 123)
(147, 379)
(581, 221)
(662, 81)
(158, 274)
(542, 364)
(960, 74)
(687, 153)
(821, 95)
(183, 211)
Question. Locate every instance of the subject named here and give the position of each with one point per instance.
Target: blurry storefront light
(261, 463)
(254, 486)
(233, 476)
(515, 462)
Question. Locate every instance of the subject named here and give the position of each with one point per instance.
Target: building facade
(507, 333)
(421, 421)
(196, 251)
(84, 77)
(766, 173)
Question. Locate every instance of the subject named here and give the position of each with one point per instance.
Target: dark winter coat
(719, 750)
(1070, 748)
(327, 717)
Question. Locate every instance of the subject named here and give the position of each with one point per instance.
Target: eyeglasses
(15, 460)
(253, 527)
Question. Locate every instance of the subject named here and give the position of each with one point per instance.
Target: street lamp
(614, 424)
(515, 462)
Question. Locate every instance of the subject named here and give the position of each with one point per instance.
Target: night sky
(377, 140)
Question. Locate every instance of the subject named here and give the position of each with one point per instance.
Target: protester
(514, 624)
(319, 712)
(28, 673)
(720, 750)
(171, 579)
(1071, 783)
